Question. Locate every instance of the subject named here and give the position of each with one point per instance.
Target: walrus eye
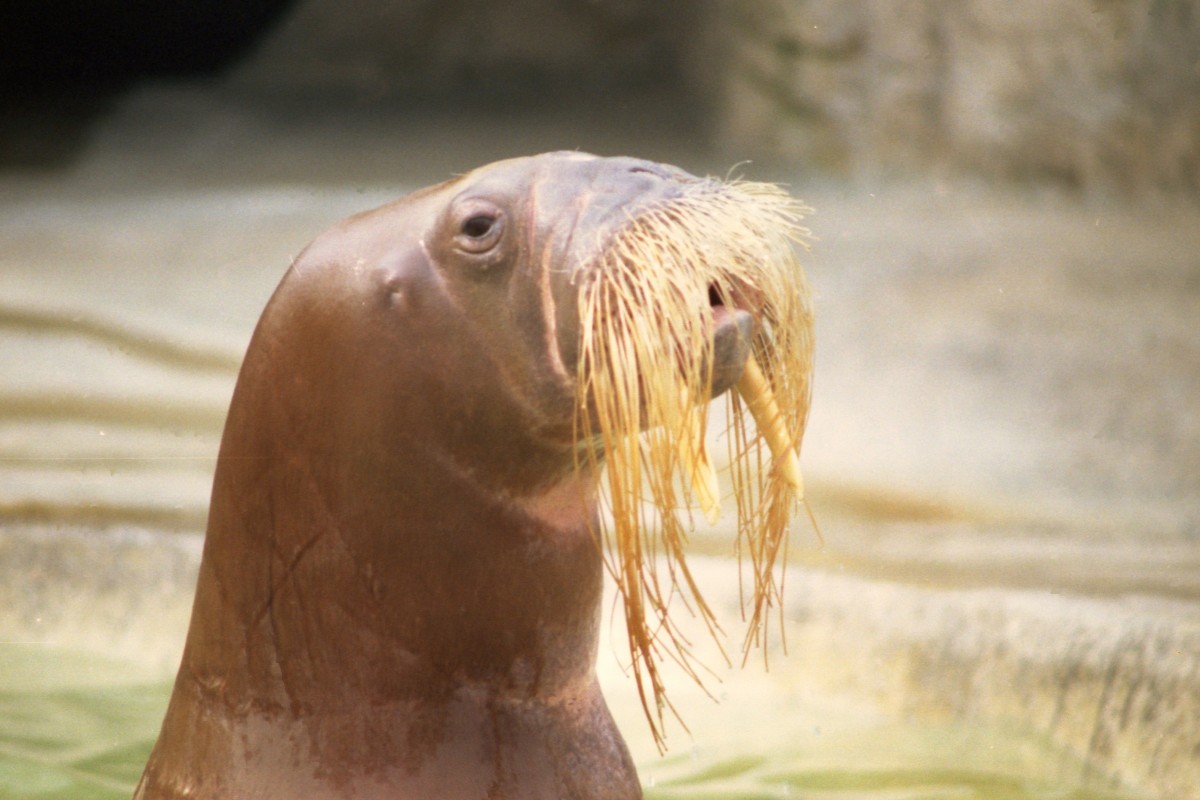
(478, 227)
(480, 230)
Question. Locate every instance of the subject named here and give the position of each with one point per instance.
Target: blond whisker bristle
(645, 376)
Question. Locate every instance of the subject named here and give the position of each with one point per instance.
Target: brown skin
(400, 590)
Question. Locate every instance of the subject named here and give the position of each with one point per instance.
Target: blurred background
(1004, 450)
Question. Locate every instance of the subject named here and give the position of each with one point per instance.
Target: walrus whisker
(646, 370)
(695, 463)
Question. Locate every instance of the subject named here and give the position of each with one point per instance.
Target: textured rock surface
(1101, 95)
(1116, 680)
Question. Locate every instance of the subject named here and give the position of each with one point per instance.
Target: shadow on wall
(358, 55)
(64, 62)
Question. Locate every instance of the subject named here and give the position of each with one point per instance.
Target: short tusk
(756, 391)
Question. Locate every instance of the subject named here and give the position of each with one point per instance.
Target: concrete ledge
(1116, 680)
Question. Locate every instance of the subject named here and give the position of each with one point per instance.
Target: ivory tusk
(756, 391)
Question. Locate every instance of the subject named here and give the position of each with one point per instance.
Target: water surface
(78, 727)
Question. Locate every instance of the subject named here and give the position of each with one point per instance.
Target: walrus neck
(568, 506)
(458, 585)
(360, 649)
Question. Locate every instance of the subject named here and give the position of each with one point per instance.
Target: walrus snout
(733, 331)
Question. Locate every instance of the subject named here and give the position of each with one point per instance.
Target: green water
(76, 727)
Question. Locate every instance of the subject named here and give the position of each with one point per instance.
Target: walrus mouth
(695, 295)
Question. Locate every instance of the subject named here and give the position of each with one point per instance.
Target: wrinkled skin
(400, 591)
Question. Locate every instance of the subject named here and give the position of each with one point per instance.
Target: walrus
(400, 589)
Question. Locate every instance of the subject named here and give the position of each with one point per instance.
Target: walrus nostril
(665, 171)
(714, 296)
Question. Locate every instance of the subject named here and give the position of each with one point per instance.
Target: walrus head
(400, 588)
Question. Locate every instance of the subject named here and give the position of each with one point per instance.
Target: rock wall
(376, 49)
(1102, 94)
